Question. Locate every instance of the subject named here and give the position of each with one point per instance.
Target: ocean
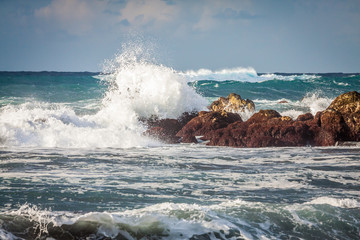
(74, 163)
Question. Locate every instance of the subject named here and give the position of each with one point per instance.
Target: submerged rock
(232, 103)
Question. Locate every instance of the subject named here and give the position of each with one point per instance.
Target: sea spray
(144, 88)
(137, 88)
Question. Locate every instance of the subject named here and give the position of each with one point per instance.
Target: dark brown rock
(189, 139)
(208, 121)
(305, 117)
(186, 117)
(164, 130)
(263, 130)
(340, 122)
(264, 115)
(161, 134)
(205, 123)
(333, 128)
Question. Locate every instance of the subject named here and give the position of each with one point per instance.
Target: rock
(161, 134)
(340, 122)
(264, 130)
(189, 139)
(186, 117)
(232, 103)
(305, 117)
(283, 101)
(206, 122)
(348, 105)
(264, 115)
(333, 128)
(164, 130)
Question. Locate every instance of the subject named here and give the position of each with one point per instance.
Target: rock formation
(340, 122)
(206, 122)
(232, 103)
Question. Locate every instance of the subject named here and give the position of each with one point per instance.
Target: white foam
(7, 236)
(315, 102)
(237, 74)
(312, 102)
(241, 74)
(335, 202)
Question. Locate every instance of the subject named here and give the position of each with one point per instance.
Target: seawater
(75, 165)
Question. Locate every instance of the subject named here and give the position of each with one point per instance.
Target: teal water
(74, 163)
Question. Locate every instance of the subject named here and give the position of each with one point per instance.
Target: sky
(268, 35)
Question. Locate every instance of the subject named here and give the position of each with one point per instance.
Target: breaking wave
(227, 220)
(241, 74)
(137, 88)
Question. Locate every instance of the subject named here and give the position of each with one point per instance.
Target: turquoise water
(75, 165)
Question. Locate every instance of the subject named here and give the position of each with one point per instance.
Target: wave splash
(227, 220)
(137, 88)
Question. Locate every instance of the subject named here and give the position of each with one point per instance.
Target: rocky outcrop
(206, 122)
(340, 122)
(264, 129)
(232, 103)
(348, 105)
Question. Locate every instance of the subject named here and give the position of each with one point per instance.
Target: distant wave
(241, 74)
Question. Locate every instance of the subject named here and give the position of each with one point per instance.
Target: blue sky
(270, 36)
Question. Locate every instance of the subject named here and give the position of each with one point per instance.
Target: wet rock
(340, 122)
(164, 130)
(348, 105)
(189, 139)
(206, 122)
(264, 115)
(186, 117)
(266, 129)
(333, 128)
(162, 135)
(232, 103)
(305, 117)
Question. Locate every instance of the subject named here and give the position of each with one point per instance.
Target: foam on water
(240, 74)
(342, 203)
(312, 102)
(227, 220)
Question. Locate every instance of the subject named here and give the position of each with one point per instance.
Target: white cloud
(210, 10)
(143, 12)
(73, 16)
